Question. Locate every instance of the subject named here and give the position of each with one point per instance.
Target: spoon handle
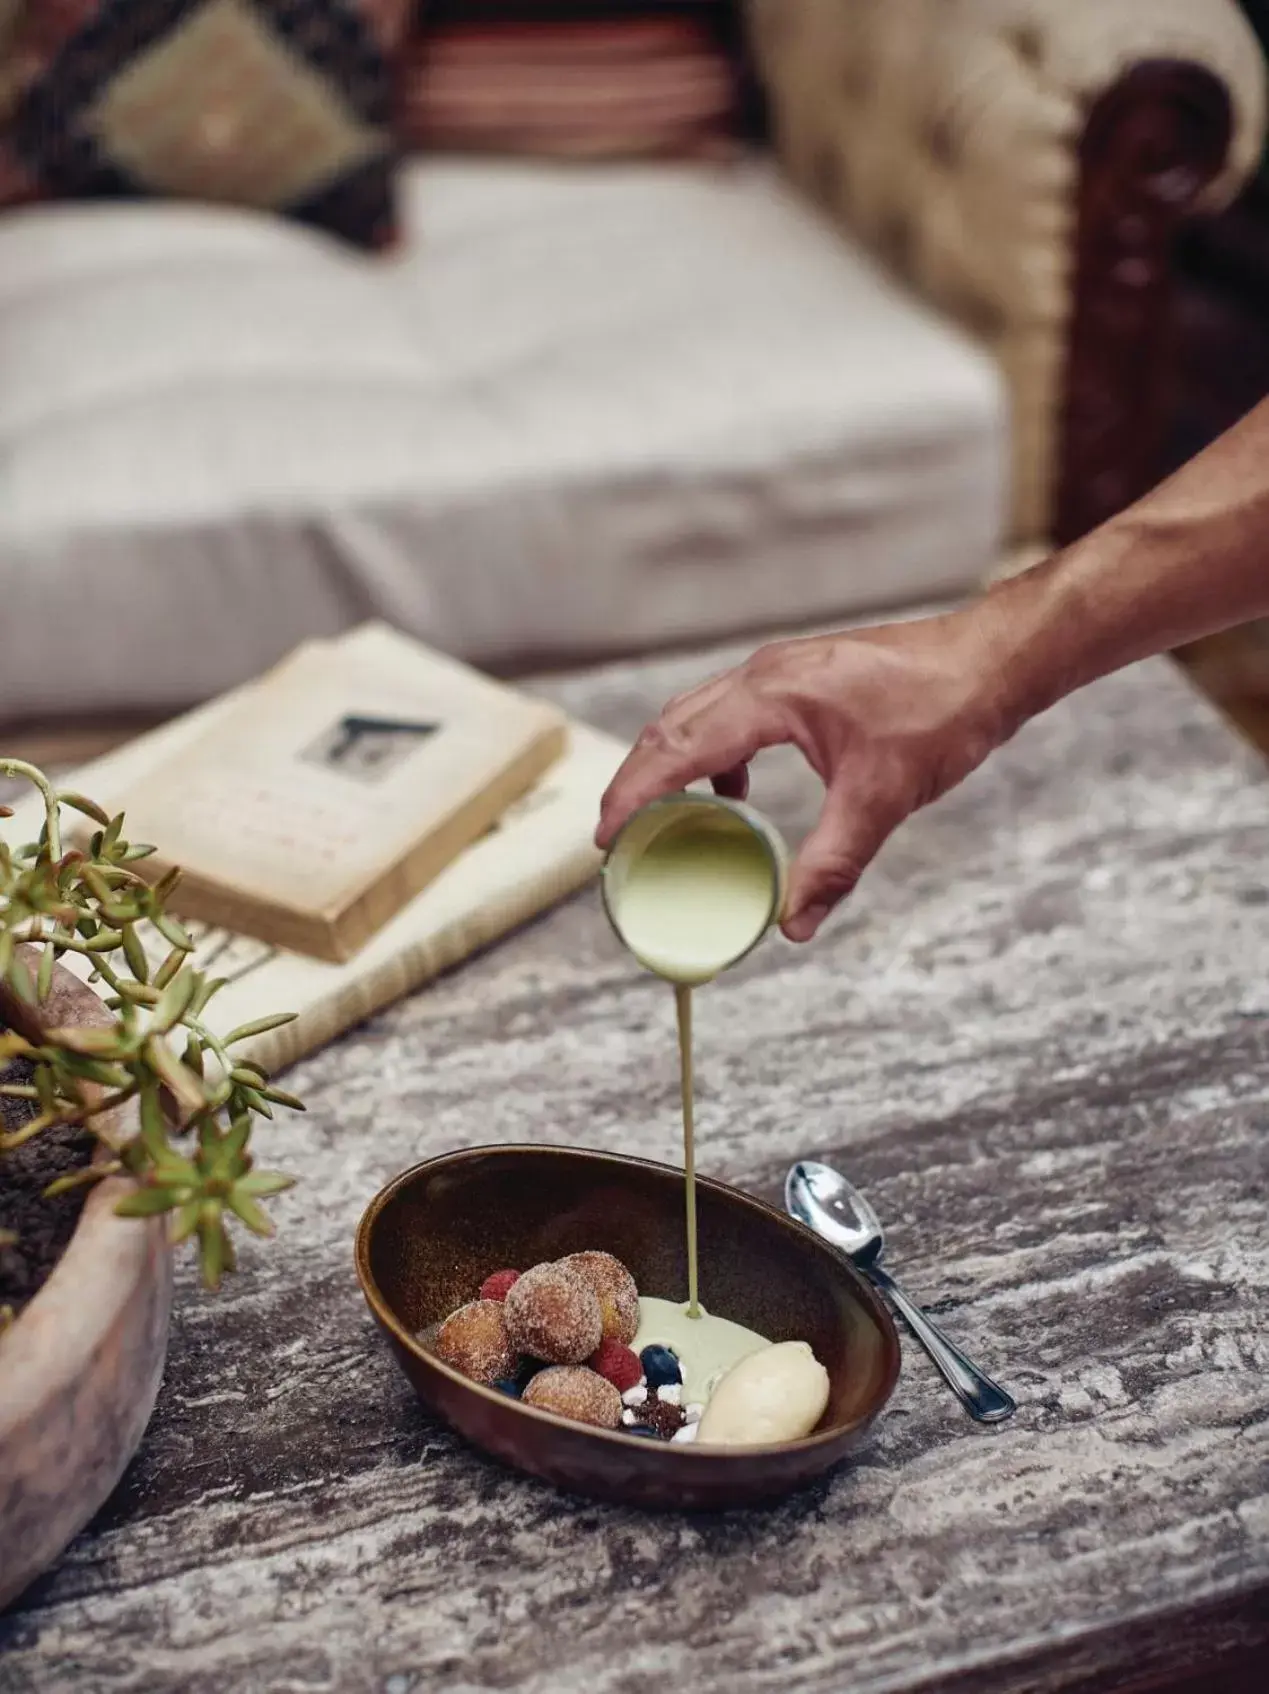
(981, 1397)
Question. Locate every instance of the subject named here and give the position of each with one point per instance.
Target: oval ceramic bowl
(429, 1238)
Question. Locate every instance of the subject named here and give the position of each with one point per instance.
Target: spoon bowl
(822, 1199)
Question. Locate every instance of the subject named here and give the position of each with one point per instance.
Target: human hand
(888, 718)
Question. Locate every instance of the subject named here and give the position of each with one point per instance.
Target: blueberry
(642, 1429)
(660, 1366)
(506, 1385)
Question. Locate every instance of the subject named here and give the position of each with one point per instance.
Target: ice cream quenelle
(777, 1394)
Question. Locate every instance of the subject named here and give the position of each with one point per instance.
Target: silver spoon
(824, 1201)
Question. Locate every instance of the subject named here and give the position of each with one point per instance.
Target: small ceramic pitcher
(693, 882)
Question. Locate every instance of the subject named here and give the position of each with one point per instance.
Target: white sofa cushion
(579, 411)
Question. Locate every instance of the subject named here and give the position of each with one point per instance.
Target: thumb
(851, 828)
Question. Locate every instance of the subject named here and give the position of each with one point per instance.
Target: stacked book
(361, 818)
(575, 78)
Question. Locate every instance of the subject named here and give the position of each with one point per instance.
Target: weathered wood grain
(1039, 1038)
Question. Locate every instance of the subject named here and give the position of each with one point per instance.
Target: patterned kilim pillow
(279, 104)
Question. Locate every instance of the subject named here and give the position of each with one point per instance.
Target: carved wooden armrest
(1027, 166)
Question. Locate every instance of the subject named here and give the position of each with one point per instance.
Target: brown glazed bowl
(428, 1240)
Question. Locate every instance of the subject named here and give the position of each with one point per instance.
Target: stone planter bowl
(80, 1368)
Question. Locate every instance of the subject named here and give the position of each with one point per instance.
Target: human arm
(892, 717)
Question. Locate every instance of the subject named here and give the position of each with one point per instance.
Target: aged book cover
(540, 851)
(311, 809)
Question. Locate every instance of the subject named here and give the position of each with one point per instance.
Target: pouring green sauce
(691, 884)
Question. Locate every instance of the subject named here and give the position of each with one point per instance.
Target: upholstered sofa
(587, 410)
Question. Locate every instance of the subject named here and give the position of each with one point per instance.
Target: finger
(675, 712)
(688, 703)
(732, 784)
(725, 734)
(852, 826)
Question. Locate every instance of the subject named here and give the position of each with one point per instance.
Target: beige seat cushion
(581, 411)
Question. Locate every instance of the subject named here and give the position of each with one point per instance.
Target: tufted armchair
(1027, 165)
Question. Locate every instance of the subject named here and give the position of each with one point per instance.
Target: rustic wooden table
(1039, 1039)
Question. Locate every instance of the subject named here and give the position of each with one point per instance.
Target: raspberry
(622, 1368)
(497, 1286)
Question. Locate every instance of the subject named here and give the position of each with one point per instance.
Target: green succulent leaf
(134, 953)
(280, 1097)
(21, 981)
(251, 1212)
(92, 1043)
(104, 940)
(166, 885)
(147, 1202)
(44, 976)
(153, 1123)
(259, 1026)
(205, 994)
(81, 803)
(96, 1070)
(193, 1057)
(121, 912)
(185, 1222)
(171, 931)
(216, 1251)
(219, 1094)
(81, 1178)
(174, 1002)
(237, 1135)
(184, 1087)
(263, 1183)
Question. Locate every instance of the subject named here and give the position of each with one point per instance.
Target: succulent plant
(196, 1101)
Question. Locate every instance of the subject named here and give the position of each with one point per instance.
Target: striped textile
(571, 80)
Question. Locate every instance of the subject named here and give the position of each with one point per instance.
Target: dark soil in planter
(44, 1227)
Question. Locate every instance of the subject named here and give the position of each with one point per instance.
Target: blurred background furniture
(585, 409)
(1222, 306)
(1222, 370)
